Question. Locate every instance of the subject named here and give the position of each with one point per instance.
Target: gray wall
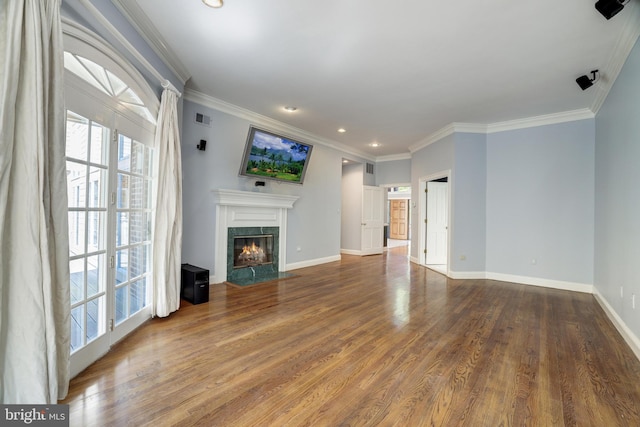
(314, 221)
(468, 189)
(540, 202)
(393, 172)
(617, 194)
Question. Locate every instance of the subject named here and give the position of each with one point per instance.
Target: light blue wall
(314, 223)
(393, 172)
(434, 158)
(468, 189)
(540, 202)
(617, 194)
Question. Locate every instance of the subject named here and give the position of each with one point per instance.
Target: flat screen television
(271, 156)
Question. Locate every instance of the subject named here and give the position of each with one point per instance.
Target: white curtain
(34, 249)
(167, 243)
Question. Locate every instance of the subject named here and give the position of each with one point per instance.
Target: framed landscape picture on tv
(271, 156)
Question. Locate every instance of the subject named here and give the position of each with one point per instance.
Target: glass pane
(77, 327)
(98, 73)
(72, 63)
(76, 233)
(124, 153)
(123, 191)
(122, 266)
(99, 139)
(137, 227)
(76, 184)
(95, 238)
(95, 318)
(137, 266)
(147, 226)
(137, 295)
(118, 85)
(121, 304)
(148, 163)
(77, 136)
(130, 96)
(137, 158)
(76, 282)
(137, 193)
(146, 253)
(97, 188)
(148, 193)
(95, 274)
(122, 229)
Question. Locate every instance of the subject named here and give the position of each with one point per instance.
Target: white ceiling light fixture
(342, 130)
(375, 144)
(290, 109)
(213, 3)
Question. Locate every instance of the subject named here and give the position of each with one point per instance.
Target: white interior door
(437, 222)
(372, 225)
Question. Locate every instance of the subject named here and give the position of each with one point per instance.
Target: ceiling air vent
(370, 168)
(201, 119)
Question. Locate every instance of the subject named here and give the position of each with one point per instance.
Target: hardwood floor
(368, 341)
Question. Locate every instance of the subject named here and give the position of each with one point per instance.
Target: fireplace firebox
(251, 251)
(252, 254)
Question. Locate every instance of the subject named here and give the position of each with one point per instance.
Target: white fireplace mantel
(248, 209)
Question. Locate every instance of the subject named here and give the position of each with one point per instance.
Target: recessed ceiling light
(213, 3)
(290, 109)
(342, 130)
(375, 144)
(345, 161)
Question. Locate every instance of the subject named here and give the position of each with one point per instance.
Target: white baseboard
(545, 283)
(630, 338)
(467, 274)
(312, 262)
(414, 260)
(351, 252)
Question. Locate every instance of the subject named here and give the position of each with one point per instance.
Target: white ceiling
(390, 72)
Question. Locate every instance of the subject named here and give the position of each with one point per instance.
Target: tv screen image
(271, 156)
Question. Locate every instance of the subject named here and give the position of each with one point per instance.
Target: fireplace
(245, 214)
(252, 253)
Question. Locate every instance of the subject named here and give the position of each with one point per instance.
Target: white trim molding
(538, 281)
(313, 262)
(630, 338)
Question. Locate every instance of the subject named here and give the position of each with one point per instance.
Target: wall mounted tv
(271, 156)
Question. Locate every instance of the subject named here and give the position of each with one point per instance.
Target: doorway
(435, 222)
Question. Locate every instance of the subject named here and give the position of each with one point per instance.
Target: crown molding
(546, 119)
(269, 123)
(619, 54)
(393, 157)
(143, 25)
(527, 122)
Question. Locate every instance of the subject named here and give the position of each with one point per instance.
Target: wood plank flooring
(373, 341)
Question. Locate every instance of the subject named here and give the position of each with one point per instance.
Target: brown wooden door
(399, 227)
